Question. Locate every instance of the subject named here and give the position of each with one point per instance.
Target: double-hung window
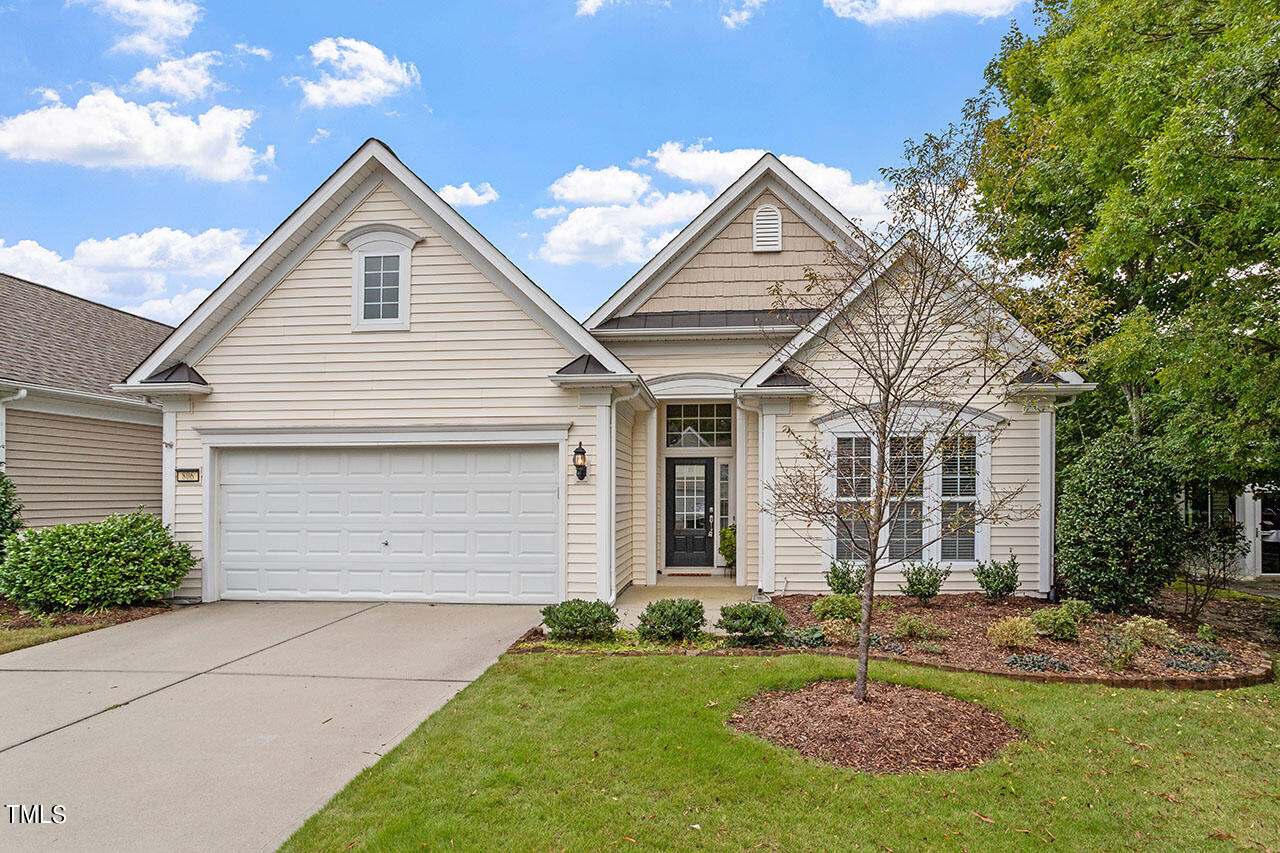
(931, 512)
(381, 278)
(959, 493)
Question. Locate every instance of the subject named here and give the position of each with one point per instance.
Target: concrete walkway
(1266, 586)
(224, 726)
(713, 594)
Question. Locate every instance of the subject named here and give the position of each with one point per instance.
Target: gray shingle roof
(48, 337)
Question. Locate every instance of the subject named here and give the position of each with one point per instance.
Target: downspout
(17, 395)
(613, 488)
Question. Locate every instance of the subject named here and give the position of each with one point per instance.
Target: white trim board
(372, 162)
(767, 173)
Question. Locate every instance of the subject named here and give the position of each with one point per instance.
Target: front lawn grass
(19, 638)
(579, 752)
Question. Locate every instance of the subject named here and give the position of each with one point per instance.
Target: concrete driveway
(224, 726)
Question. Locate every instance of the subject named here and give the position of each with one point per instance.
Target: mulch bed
(900, 730)
(1243, 617)
(11, 618)
(965, 618)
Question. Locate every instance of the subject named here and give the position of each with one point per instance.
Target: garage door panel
(442, 524)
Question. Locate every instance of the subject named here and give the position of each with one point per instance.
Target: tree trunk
(864, 635)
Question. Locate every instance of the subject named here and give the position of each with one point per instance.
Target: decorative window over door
(700, 425)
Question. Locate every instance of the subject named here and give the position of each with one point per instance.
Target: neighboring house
(379, 405)
(76, 450)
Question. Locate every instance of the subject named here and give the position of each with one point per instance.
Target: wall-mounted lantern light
(580, 461)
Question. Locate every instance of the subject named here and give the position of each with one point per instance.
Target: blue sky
(147, 145)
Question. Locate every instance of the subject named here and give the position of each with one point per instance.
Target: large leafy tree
(1138, 161)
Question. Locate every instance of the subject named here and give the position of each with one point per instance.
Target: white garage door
(404, 523)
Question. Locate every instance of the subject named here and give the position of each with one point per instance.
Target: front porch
(714, 593)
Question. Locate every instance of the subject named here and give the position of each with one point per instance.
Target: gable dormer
(767, 227)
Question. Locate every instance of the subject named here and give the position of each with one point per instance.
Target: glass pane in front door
(691, 497)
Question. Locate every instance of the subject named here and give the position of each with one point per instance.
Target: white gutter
(9, 398)
(84, 396)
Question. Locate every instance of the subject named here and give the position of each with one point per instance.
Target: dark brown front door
(689, 506)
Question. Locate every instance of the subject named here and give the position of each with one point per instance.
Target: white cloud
(548, 212)
(741, 12)
(171, 309)
(610, 185)
(357, 73)
(186, 78)
(604, 235)
(157, 24)
(590, 7)
(319, 136)
(105, 131)
(140, 270)
(697, 164)
(882, 11)
(468, 196)
(253, 50)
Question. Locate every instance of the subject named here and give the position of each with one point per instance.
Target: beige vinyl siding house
(379, 405)
(76, 450)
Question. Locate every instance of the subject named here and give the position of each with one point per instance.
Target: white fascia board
(608, 381)
(188, 332)
(196, 327)
(81, 396)
(779, 391)
(814, 327)
(827, 220)
(508, 276)
(164, 389)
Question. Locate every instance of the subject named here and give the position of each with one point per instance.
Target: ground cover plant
(588, 752)
(972, 630)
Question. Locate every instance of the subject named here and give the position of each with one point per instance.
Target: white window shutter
(766, 229)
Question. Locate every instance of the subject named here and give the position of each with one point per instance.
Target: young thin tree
(912, 367)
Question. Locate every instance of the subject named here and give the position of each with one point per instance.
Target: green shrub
(1206, 633)
(923, 579)
(1037, 663)
(998, 580)
(929, 647)
(1119, 652)
(671, 620)
(1119, 530)
(119, 561)
(1012, 632)
(840, 632)
(912, 627)
(577, 619)
(10, 509)
(1213, 559)
(808, 637)
(838, 606)
(1056, 623)
(1150, 631)
(1079, 610)
(845, 578)
(729, 545)
(752, 624)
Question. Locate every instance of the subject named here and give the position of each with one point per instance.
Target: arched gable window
(766, 229)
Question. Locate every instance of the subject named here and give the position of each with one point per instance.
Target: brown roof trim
(584, 365)
(729, 318)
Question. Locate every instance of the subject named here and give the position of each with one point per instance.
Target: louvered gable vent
(766, 229)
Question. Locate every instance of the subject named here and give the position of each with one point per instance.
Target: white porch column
(740, 489)
(604, 463)
(1048, 464)
(768, 456)
(168, 464)
(651, 497)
